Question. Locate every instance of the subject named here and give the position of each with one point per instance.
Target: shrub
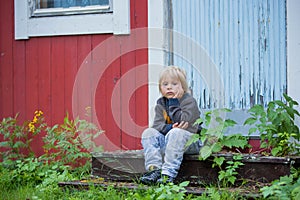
(276, 125)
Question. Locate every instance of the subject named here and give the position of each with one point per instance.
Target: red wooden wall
(40, 73)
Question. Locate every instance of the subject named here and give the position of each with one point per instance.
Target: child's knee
(178, 134)
(174, 132)
(149, 132)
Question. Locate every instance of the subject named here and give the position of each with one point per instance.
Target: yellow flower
(38, 113)
(31, 127)
(35, 119)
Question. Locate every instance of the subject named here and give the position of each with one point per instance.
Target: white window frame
(116, 22)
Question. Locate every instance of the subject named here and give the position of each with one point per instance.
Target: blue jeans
(166, 152)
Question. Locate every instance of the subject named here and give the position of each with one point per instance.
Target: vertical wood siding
(246, 40)
(39, 74)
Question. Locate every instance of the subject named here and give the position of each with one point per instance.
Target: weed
(278, 131)
(71, 142)
(213, 134)
(227, 176)
(286, 187)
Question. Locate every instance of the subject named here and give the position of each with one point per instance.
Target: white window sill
(117, 23)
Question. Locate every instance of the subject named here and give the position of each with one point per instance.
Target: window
(69, 7)
(71, 17)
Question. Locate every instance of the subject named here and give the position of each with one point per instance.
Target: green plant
(286, 187)
(170, 191)
(213, 134)
(278, 131)
(215, 140)
(228, 175)
(71, 142)
(66, 145)
(17, 138)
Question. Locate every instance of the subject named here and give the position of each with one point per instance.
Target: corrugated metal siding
(245, 39)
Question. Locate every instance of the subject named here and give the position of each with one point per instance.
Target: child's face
(171, 88)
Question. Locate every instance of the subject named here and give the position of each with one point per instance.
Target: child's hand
(182, 125)
(179, 93)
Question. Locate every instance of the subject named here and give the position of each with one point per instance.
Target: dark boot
(151, 177)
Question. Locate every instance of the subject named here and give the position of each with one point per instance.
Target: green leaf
(252, 130)
(205, 152)
(232, 179)
(199, 121)
(219, 161)
(280, 103)
(230, 122)
(235, 140)
(250, 121)
(184, 184)
(195, 138)
(217, 147)
(256, 109)
(19, 144)
(276, 150)
(296, 192)
(291, 112)
(5, 144)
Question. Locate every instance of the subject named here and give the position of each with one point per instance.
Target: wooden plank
(71, 68)
(57, 80)
(112, 75)
(141, 93)
(132, 60)
(139, 101)
(127, 98)
(19, 79)
(44, 72)
(32, 78)
(129, 165)
(139, 14)
(84, 100)
(101, 105)
(245, 192)
(101, 100)
(44, 79)
(6, 69)
(107, 107)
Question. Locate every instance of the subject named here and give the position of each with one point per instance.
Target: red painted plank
(128, 85)
(109, 62)
(136, 61)
(31, 76)
(44, 71)
(101, 102)
(138, 14)
(32, 85)
(84, 100)
(6, 68)
(142, 93)
(57, 80)
(19, 79)
(112, 127)
(71, 67)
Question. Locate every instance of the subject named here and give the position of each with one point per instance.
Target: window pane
(69, 3)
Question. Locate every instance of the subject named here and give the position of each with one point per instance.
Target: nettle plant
(276, 125)
(214, 126)
(215, 140)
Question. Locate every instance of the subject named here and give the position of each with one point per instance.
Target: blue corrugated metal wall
(246, 41)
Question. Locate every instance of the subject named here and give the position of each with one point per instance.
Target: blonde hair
(174, 72)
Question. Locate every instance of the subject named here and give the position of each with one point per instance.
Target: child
(165, 142)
